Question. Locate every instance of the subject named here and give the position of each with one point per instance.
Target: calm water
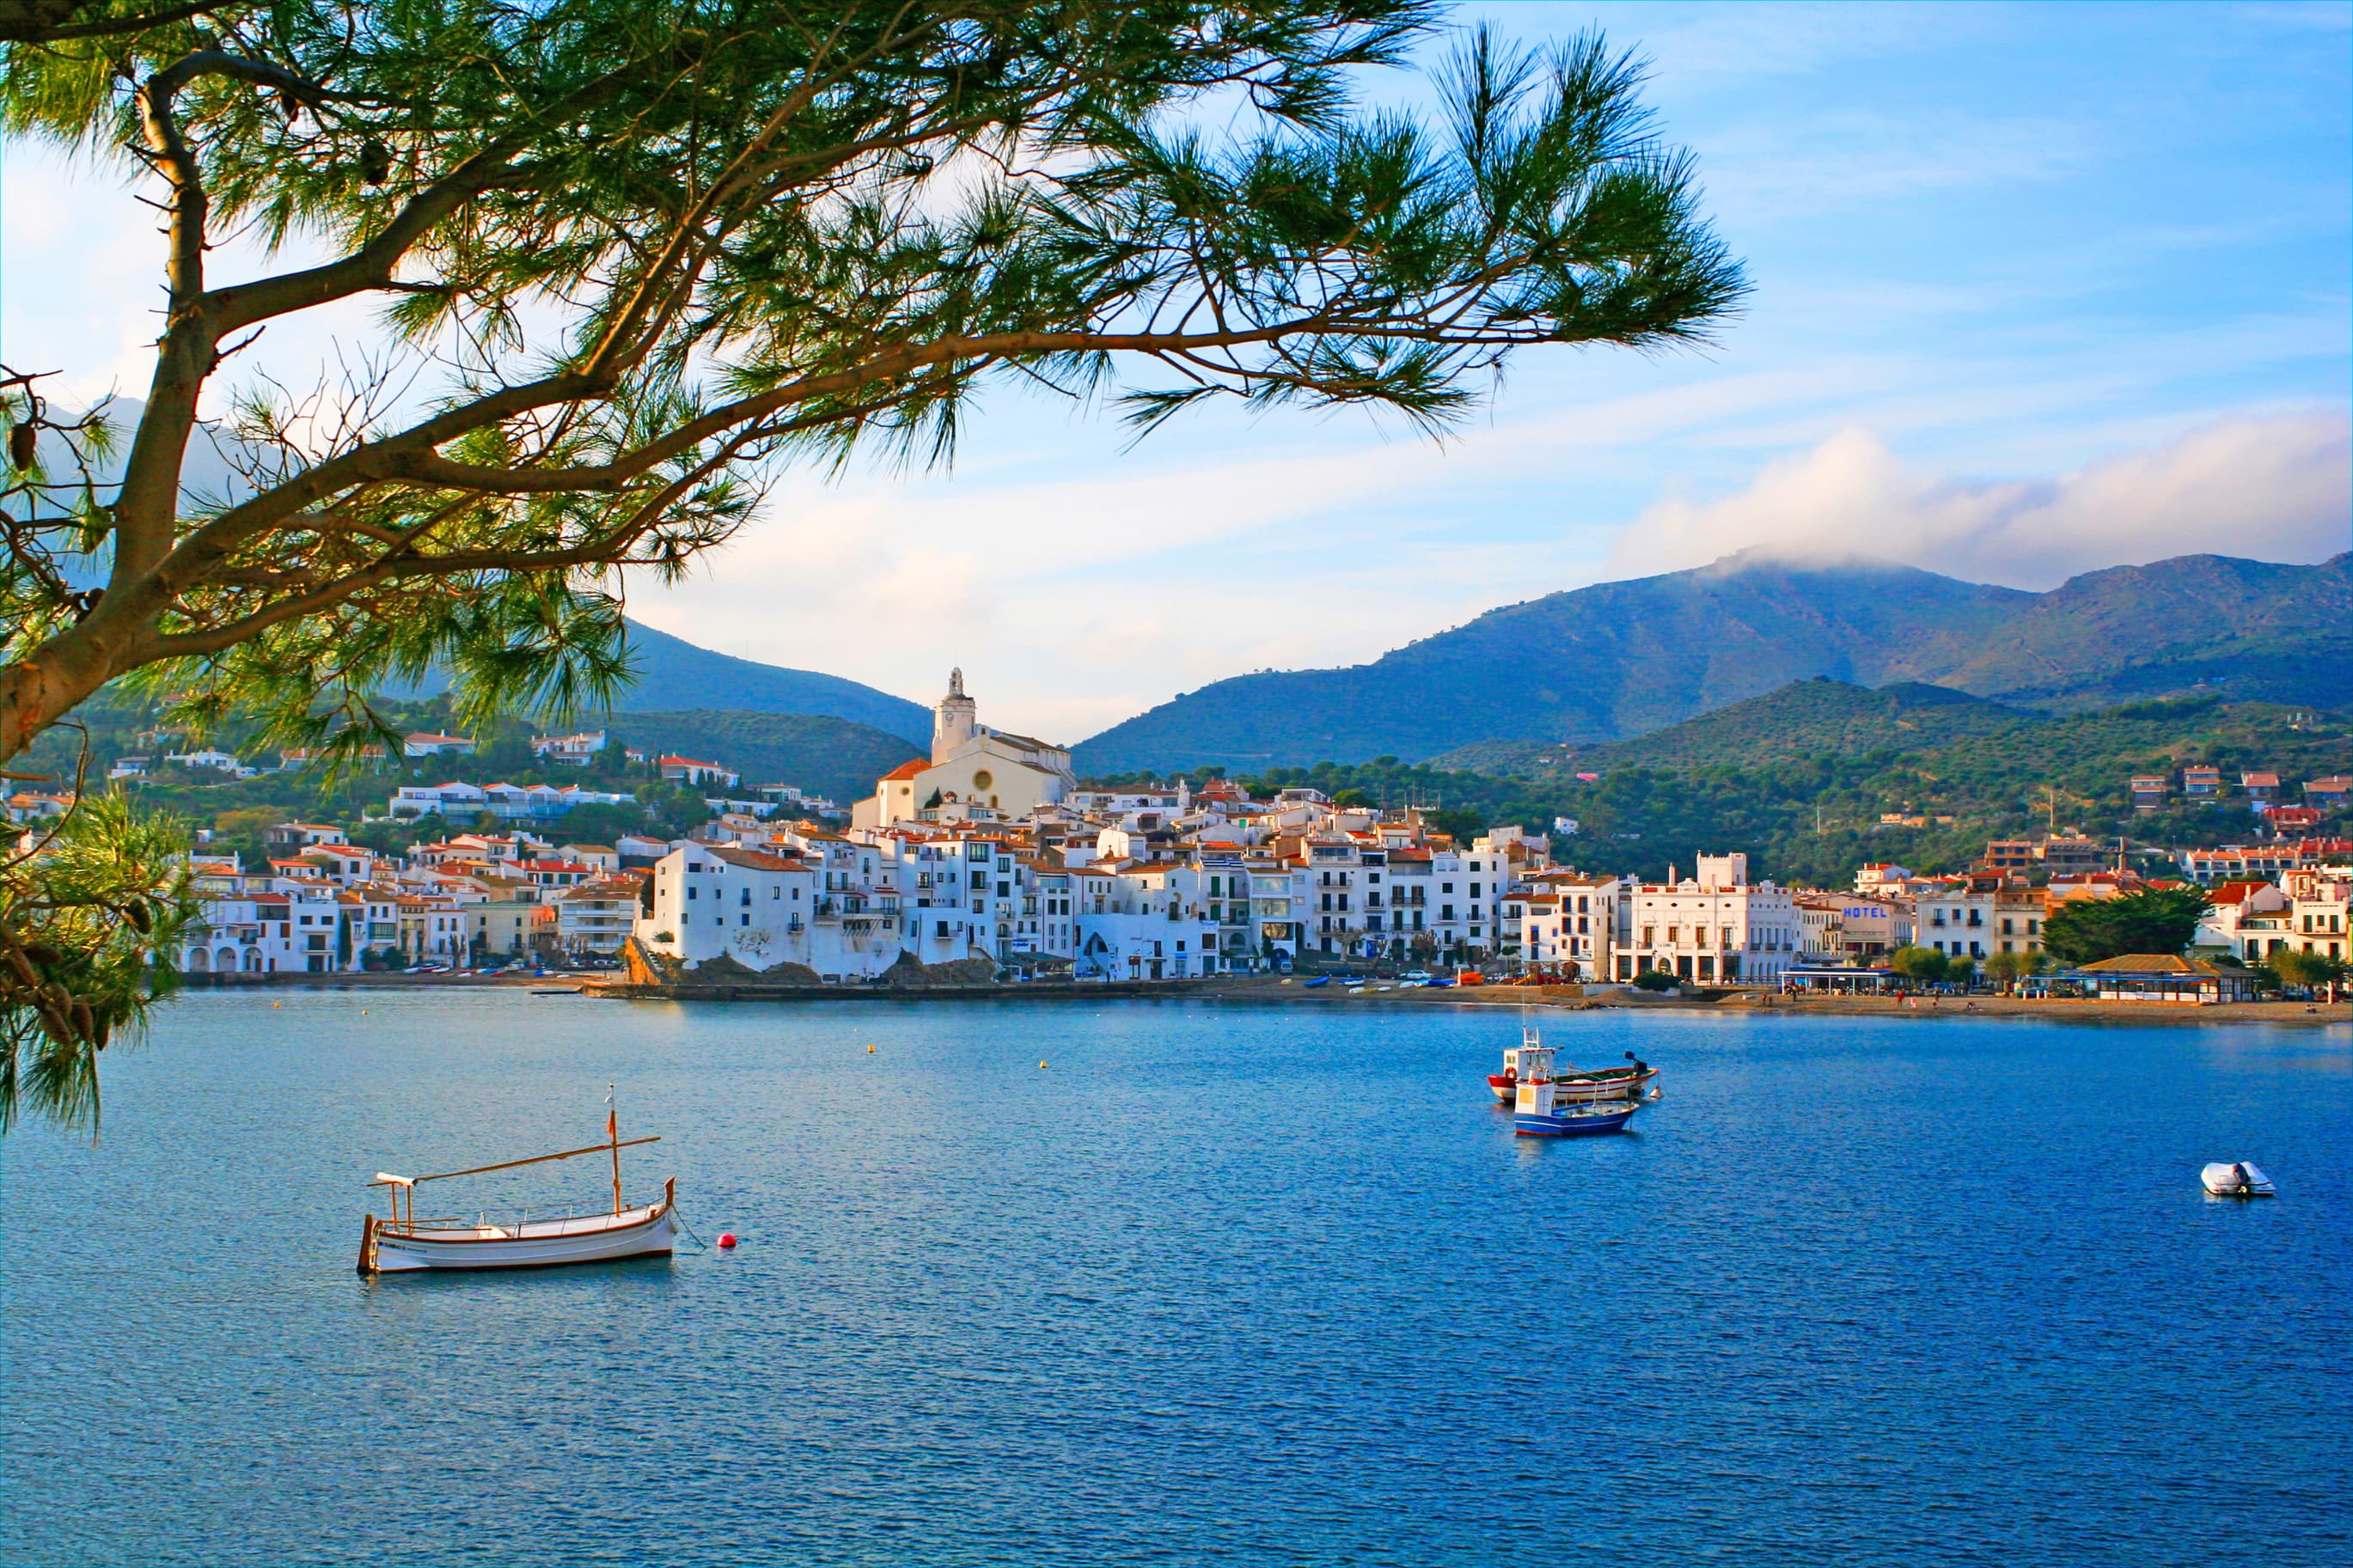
(1217, 1284)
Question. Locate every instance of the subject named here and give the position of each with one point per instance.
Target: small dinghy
(1542, 1111)
(2236, 1179)
(402, 1243)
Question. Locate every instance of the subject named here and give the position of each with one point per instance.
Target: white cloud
(2277, 488)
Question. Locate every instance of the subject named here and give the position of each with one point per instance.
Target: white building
(1279, 906)
(712, 902)
(294, 930)
(694, 773)
(1570, 924)
(1144, 922)
(1713, 927)
(1843, 927)
(824, 912)
(568, 751)
(1959, 918)
(212, 758)
(594, 919)
(462, 802)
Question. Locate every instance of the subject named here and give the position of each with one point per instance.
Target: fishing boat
(2236, 1179)
(401, 1243)
(1541, 1111)
(1532, 1062)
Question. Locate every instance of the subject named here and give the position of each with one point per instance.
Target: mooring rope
(679, 1215)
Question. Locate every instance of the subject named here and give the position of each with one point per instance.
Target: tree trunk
(38, 690)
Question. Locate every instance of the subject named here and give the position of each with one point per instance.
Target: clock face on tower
(982, 780)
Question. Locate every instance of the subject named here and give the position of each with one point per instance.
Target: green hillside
(824, 755)
(817, 752)
(1804, 719)
(1816, 817)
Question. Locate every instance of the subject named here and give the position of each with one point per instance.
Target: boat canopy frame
(409, 1184)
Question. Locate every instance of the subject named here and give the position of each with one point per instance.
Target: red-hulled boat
(1532, 1062)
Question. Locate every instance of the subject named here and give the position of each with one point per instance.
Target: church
(973, 767)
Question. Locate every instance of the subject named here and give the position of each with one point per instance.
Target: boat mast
(613, 1131)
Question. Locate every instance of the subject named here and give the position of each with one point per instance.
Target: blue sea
(1187, 1282)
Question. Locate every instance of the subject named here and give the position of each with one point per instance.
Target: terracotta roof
(753, 860)
(907, 770)
(610, 887)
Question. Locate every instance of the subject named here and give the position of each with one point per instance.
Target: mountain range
(675, 676)
(1619, 659)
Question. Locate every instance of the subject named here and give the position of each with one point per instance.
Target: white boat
(2236, 1179)
(1533, 1063)
(401, 1243)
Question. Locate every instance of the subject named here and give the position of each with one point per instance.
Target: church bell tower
(954, 720)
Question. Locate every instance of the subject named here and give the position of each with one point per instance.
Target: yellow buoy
(1042, 1064)
(869, 1050)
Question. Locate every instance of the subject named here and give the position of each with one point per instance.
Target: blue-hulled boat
(1546, 1109)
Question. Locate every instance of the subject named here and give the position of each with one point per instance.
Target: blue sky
(2038, 289)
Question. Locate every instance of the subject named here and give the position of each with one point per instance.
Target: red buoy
(726, 1238)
